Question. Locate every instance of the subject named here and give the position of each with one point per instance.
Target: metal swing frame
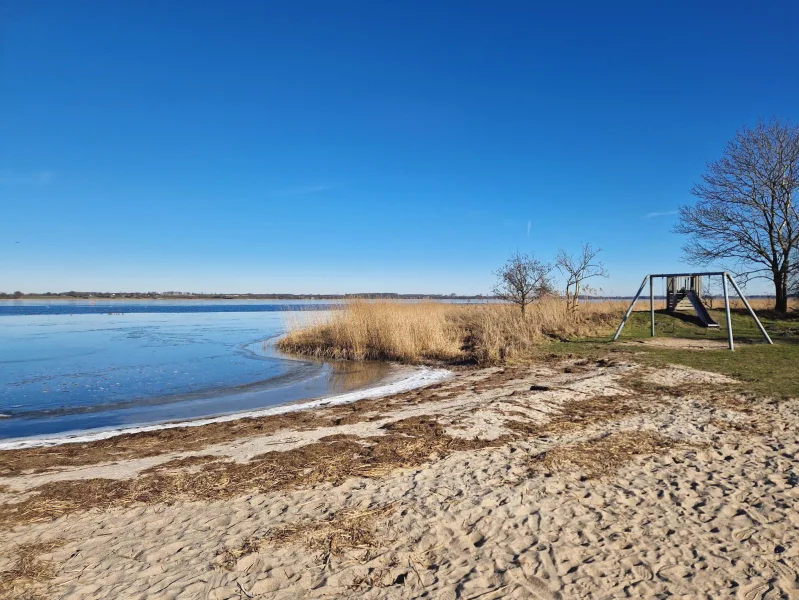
(725, 276)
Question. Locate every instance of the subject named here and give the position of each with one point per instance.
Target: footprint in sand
(755, 593)
(788, 577)
(447, 594)
(761, 515)
(641, 573)
(741, 535)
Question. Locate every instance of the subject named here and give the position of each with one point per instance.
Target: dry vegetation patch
(342, 532)
(28, 570)
(185, 462)
(150, 443)
(579, 414)
(482, 334)
(603, 456)
(408, 443)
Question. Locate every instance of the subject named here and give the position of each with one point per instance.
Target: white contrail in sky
(660, 214)
(528, 227)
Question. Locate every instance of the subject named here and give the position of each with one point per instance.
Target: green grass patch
(762, 368)
(686, 326)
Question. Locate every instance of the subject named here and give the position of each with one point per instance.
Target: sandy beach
(565, 479)
(381, 301)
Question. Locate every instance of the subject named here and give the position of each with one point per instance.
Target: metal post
(751, 312)
(629, 310)
(652, 305)
(727, 310)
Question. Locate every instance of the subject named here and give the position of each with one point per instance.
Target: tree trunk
(781, 292)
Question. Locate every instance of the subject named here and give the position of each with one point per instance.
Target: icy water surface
(73, 369)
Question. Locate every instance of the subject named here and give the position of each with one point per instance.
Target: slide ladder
(700, 309)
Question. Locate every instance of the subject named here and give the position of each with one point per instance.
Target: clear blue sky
(365, 146)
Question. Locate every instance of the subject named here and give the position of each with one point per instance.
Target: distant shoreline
(280, 297)
(155, 296)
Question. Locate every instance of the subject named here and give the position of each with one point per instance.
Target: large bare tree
(522, 280)
(746, 217)
(577, 270)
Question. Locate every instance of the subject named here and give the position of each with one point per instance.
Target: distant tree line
(203, 296)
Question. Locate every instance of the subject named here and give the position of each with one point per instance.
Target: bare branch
(523, 279)
(746, 214)
(579, 269)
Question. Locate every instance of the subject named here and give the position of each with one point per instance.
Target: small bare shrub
(579, 269)
(522, 280)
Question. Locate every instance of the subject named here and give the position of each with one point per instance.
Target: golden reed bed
(483, 333)
(433, 331)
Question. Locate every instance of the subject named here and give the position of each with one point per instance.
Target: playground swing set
(684, 290)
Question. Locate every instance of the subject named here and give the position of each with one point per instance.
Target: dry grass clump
(343, 531)
(575, 415)
(380, 330)
(405, 445)
(349, 530)
(498, 333)
(604, 456)
(758, 304)
(482, 334)
(28, 570)
(185, 462)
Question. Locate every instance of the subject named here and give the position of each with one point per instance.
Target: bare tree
(523, 279)
(578, 269)
(746, 212)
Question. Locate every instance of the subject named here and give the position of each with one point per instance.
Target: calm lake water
(74, 365)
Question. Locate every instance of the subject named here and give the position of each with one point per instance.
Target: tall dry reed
(430, 331)
(377, 331)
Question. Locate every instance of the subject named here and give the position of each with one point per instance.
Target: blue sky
(365, 146)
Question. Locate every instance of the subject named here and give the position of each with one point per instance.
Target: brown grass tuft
(483, 334)
(186, 462)
(605, 455)
(575, 415)
(343, 531)
(28, 570)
